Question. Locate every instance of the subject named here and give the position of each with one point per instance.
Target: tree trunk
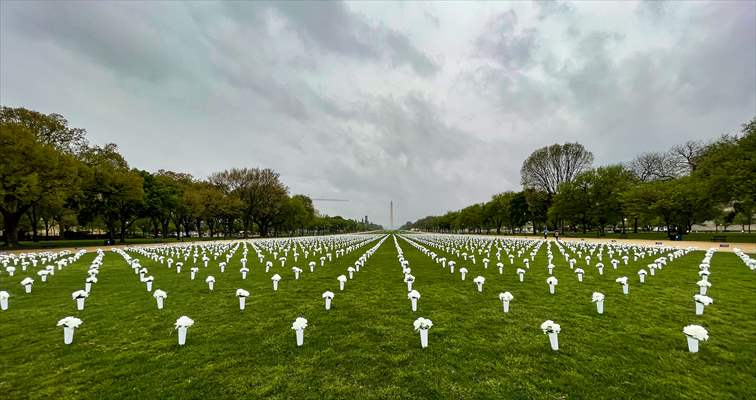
(123, 231)
(34, 223)
(246, 222)
(166, 222)
(11, 228)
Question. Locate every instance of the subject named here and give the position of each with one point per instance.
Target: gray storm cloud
(431, 105)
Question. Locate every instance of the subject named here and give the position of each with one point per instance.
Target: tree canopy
(51, 176)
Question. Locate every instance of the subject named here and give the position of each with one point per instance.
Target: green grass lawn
(365, 346)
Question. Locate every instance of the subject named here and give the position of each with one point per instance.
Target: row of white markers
(694, 333)
(70, 323)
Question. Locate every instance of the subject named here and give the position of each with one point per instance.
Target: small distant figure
(556, 235)
(545, 233)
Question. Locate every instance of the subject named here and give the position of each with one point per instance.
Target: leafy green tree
(51, 129)
(518, 212)
(496, 211)
(260, 191)
(538, 207)
(727, 168)
(113, 192)
(30, 172)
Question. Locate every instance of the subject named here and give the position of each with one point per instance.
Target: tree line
(52, 178)
(672, 190)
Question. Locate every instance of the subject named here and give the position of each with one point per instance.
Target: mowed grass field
(365, 346)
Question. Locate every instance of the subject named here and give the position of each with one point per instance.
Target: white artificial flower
(409, 278)
(70, 322)
(703, 283)
(549, 326)
(328, 294)
(210, 278)
(579, 271)
(597, 296)
(242, 293)
(299, 324)
(275, 277)
(552, 280)
(4, 295)
(79, 294)
(27, 281)
(413, 295)
(341, 278)
(184, 322)
(506, 296)
(422, 323)
(159, 293)
(520, 271)
(705, 300)
(479, 279)
(642, 272)
(697, 332)
(91, 279)
(622, 280)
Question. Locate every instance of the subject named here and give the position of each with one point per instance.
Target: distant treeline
(51, 178)
(691, 183)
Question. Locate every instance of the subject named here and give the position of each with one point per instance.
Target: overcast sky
(431, 105)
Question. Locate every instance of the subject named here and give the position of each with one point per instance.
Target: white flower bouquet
(423, 325)
(695, 334)
(299, 326)
(27, 284)
(479, 281)
(159, 296)
(69, 324)
(182, 324)
(702, 301)
(505, 298)
(521, 274)
(549, 327)
(703, 286)
(623, 281)
(579, 272)
(598, 298)
(552, 329)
